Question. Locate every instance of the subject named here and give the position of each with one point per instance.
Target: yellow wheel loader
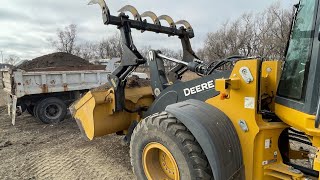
(258, 121)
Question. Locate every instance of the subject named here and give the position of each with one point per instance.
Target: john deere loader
(228, 124)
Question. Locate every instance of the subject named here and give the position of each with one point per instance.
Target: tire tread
(191, 147)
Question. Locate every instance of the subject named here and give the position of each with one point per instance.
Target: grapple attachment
(145, 26)
(113, 110)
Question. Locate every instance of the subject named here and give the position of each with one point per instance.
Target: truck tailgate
(7, 81)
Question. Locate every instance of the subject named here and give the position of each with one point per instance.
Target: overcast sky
(26, 25)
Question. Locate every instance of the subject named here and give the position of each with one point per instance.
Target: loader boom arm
(131, 57)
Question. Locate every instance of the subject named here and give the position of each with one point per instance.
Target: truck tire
(35, 110)
(51, 110)
(163, 148)
(30, 109)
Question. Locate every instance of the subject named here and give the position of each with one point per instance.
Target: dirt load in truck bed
(132, 82)
(59, 61)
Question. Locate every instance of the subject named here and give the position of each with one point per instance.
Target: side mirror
(317, 123)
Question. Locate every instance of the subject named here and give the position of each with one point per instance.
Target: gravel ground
(32, 150)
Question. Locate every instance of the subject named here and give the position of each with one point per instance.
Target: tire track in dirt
(41, 151)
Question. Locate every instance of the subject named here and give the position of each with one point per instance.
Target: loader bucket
(95, 114)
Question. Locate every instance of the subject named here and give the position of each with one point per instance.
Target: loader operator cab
(299, 84)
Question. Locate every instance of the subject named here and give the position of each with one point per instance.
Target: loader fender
(216, 135)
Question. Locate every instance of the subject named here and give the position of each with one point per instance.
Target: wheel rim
(53, 111)
(159, 163)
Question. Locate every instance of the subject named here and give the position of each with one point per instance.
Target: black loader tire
(51, 110)
(165, 129)
(30, 109)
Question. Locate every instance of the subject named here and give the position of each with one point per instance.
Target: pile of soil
(59, 61)
(132, 82)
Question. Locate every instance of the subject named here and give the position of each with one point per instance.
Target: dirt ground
(2, 97)
(32, 150)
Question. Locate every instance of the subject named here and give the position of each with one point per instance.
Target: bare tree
(273, 32)
(12, 59)
(144, 51)
(105, 49)
(264, 34)
(110, 47)
(66, 39)
(87, 50)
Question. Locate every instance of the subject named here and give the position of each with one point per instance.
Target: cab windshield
(295, 72)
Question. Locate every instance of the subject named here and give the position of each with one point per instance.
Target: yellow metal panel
(299, 120)
(220, 84)
(281, 170)
(260, 143)
(95, 111)
(236, 109)
(224, 84)
(270, 76)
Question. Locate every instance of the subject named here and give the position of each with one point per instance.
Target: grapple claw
(168, 19)
(132, 10)
(153, 16)
(185, 23)
(103, 5)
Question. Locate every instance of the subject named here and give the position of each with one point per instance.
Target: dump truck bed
(20, 83)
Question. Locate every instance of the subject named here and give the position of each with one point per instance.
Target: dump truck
(237, 124)
(47, 94)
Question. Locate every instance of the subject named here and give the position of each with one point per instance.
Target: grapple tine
(185, 23)
(153, 16)
(132, 10)
(103, 5)
(93, 2)
(168, 19)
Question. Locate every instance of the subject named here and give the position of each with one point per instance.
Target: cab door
(299, 84)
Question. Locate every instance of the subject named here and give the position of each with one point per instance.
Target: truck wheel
(163, 148)
(51, 110)
(30, 109)
(35, 110)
